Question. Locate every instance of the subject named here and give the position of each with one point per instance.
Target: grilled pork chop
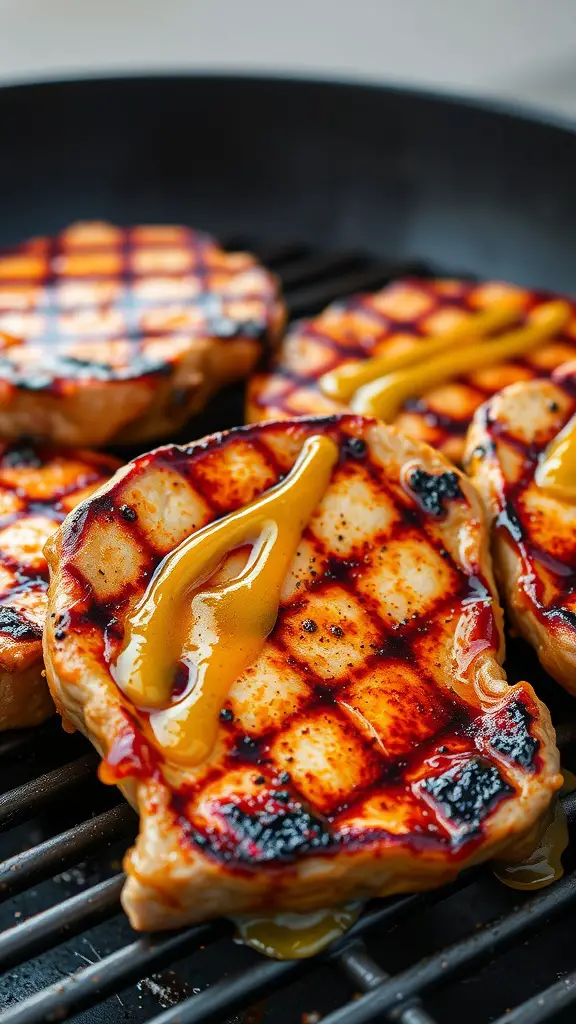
(400, 319)
(38, 487)
(533, 528)
(120, 335)
(372, 745)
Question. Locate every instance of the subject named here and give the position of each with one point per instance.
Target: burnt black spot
(354, 448)
(309, 625)
(508, 732)
(434, 490)
(128, 513)
(23, 456)
(60, 634)
(508, 520)
(337, 631)
(466, 793)
(271, 835)
(248, 749)
(553, 406)
(226, 715)
(284, 778)
(13, 624)
(259, 780)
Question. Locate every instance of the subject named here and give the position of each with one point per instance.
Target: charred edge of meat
(433, 491)
(12, 624)
(467, 792)
(508, 732)
(275, 833)
(509, 520)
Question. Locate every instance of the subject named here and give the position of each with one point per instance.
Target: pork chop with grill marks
(371, 746)
(533, 525)
(38, 487)
(120, 335)
(397, 323)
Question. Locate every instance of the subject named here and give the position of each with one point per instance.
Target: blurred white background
(516, 49)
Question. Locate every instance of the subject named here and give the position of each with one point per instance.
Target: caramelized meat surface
(112, 334)
(374, 746)
(38, 487)
(398, 319)
(533, 531)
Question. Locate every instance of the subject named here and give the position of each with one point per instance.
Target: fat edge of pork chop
(378, 697)
(533, 532)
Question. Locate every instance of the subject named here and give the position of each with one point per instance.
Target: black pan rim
(505, 109)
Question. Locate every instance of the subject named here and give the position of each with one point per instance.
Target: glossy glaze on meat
(374, 746)
(38, 487)
(400, 316)
(113, 334)
(534, 532)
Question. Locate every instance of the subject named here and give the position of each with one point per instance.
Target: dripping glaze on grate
(474, 951)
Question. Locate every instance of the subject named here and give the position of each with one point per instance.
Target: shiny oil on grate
(473, 952)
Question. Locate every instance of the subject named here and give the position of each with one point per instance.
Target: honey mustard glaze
(381, 386)
(342, 383)
(216, 631)
(556, 472)
(544, 865)
(296, 936)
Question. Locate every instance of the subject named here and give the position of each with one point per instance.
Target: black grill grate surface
(467, 952)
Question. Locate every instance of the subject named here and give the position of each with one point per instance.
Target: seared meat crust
(390, 322)
(38, 487)
(533, 532)
(374, 746)
(113, 334)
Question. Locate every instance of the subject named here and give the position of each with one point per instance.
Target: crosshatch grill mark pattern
(38, 487)
(101, 300)
(546, 912)
(357, 634)
(390, 321)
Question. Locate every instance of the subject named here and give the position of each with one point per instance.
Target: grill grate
(49, 783)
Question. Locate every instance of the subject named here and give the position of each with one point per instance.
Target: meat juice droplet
(544, 865)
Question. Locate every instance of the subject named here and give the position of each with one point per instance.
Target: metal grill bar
(62, 851)
(111, 974)
(66, 919)
(92, 985)
(366, 975)
(460, 957)
(545, 1005)
(312, 280)
(25, 801)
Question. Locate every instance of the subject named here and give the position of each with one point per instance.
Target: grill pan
(338, 188)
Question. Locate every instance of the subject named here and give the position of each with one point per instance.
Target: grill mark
(52, 369)
(510, 520)
(447, 426)
(321, 692)
(15, 625)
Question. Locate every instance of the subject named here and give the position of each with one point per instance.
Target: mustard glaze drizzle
(216, 631)
(385, 396)
(342, 383)
(556, 472)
